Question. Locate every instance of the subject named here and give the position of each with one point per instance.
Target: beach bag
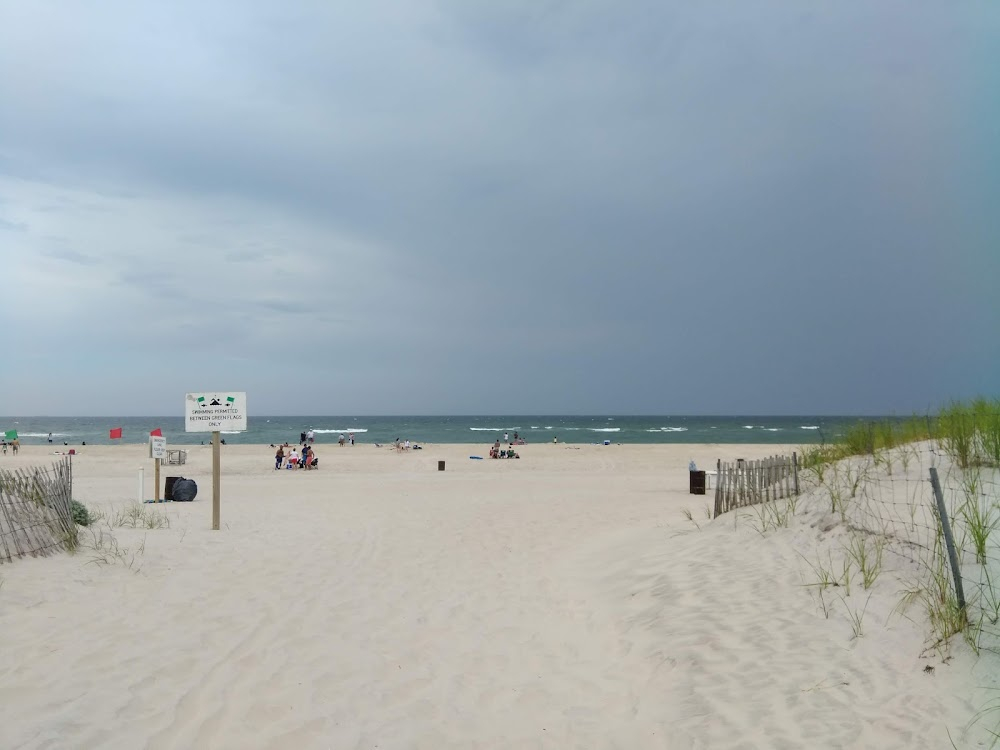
(184, 490)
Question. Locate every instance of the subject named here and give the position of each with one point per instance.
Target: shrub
(81, 516)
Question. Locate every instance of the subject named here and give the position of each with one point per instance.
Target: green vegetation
(968, 433)
(81, 516)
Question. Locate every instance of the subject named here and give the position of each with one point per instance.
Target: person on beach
(279, 457)
(341, 440)
(50, 437)
(406, 445)
(293, 459)
(351, 438)
(505, 437)
(555, 438)
(311, 437)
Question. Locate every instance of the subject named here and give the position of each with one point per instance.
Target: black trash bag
(185, 490)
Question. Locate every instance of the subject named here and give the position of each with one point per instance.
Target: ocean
(632, 430)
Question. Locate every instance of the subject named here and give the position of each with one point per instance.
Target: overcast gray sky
(514, 207)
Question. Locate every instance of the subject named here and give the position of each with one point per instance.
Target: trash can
(168, 488)
(184, 490)
(440, 465)
(697, 482)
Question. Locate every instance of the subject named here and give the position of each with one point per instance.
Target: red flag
(156, 433)
(116, 433)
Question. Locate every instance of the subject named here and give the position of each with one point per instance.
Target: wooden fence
(35, 514)
(743, 483)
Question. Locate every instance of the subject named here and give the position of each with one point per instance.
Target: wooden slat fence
(743, 483)
(35, 515)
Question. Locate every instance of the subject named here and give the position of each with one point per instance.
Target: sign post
(157, 451)
(213, 412)
(216, 481)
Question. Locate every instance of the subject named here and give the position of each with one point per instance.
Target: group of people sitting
(292, 460)
(496, 452)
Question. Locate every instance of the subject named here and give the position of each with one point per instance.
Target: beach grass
(968, 432)
(138, 516)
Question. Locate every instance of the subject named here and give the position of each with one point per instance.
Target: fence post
(795, 470)
(946, 526)
(718, 485)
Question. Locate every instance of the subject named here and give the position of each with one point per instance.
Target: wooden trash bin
(440, 465)
(697, 486)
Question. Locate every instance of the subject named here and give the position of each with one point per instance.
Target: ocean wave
(352, 429)
(486, 429)
(809, 427)
(748, 427)
(771, 429)
(667, 429)
(43, 434)
(605, 429)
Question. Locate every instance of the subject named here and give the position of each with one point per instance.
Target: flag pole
(215, 480)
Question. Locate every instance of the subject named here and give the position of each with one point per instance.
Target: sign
(215, 411)
(157, 447)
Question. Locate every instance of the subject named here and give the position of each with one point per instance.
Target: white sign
(157, 447)
(209, 411)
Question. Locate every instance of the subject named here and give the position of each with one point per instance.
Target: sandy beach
(562, 600)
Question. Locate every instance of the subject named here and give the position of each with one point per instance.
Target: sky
(471, 207)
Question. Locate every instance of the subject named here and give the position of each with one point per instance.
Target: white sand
(558, 601)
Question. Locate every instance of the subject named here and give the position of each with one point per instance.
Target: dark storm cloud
(581, 192)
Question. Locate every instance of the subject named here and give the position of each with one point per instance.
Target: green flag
(10, 435)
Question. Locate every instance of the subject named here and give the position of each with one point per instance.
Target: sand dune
(558, 601)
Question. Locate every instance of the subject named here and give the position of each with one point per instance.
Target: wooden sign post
(214, 412)
(216, 481)
(157, 451)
